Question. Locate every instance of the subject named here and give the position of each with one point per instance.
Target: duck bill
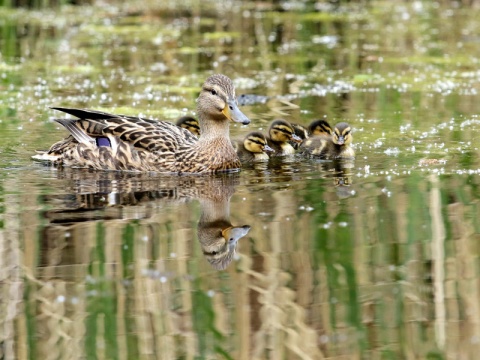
(234, 233)
(233, 113)
(296, 138)
(267, 148)
(341, 140)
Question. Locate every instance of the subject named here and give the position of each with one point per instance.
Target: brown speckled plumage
(147, 145)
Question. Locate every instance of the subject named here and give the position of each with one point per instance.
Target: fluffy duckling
(333, 146)
(299, 130)
(316, 127)
(280, 133)
(189, 123)
(319, 127)
(253, 147)
(105, 141)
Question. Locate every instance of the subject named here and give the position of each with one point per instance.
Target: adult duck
(106, 141)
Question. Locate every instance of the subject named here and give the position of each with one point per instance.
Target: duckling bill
(104, 141)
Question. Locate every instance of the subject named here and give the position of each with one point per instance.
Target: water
(376, 258)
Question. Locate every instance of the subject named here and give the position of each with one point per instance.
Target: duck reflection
(110, 196)
(341, 172)
(217, 236)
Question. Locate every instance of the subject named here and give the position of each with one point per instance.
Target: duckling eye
(213, 92)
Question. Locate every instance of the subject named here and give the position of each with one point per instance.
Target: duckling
(317, 127)
(189, 123)
(280, 133)
(253, 147)
(105, 141)
(301, 131)
(333, 146)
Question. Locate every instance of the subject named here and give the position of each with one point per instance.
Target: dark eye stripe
(195, 126)
(259, 142)
(284, 130)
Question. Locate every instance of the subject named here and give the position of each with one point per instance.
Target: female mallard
(189, 123)
(253, 147)
(280, 133)
(100, 140)
(333, 146)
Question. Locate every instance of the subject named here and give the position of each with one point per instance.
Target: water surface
(376, 258)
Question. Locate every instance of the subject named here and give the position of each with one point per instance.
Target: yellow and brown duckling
(335, 146)
(105, 141)
(280, 134)
(253, 147)
(189, 123)
(316, 127)
(319, 127)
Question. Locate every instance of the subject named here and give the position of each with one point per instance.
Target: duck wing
(150, 135)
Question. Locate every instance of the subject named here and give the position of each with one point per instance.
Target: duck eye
(214, 92)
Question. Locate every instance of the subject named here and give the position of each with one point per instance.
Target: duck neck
(214, 210)
(213, 130)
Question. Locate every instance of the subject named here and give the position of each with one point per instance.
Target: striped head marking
(342, 134)
(320, 127)
(255, 142)
(281, 131)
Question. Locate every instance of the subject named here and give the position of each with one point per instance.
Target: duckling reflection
(341, 172)
(119, 200)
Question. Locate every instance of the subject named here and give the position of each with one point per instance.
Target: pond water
(375, 258)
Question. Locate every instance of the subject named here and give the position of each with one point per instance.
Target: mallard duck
(189, 123)
(333, 146)
(280, 133)
(100, 140)
(253, 147)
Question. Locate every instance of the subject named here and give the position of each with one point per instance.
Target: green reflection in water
(101, 321)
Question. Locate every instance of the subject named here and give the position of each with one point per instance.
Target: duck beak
(232, 112)
(267, 148)
(233, 233)
(296, 138)
(341, 140)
